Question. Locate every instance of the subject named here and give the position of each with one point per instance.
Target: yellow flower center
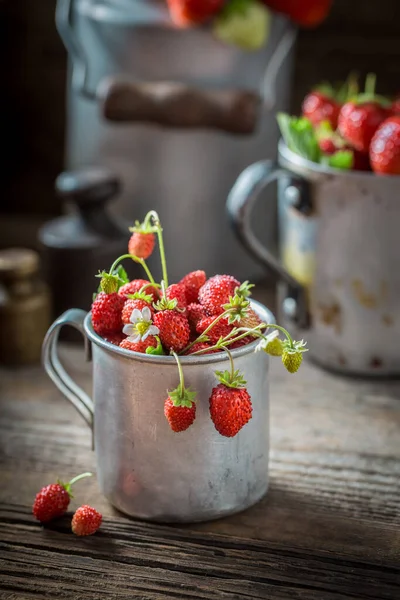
(142, 327)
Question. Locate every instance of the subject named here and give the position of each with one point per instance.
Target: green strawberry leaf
(158, 350)
(299, 136)
(122, 275)
(342, 159)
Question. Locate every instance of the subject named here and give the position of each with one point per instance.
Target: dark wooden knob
(175, 105)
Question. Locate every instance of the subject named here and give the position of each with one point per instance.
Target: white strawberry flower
(140, 326)
(263, 343)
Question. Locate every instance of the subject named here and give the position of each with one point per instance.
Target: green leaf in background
(299, 136)
(122, 275)
(342, 159)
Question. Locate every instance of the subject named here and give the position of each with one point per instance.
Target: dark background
(359, 34)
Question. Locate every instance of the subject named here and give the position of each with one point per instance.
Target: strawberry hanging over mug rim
(180, 406)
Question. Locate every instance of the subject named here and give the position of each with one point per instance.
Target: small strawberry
(200, 346)
(52, 501)
(177, 292)
(107, 313)
(308, 13)
(131, 304)
(180, 406)
(86, 520)
(114, 338)
(271, 344)
(193, 282)
(140, 346)
(230, 402)
(216, 292)
(186, 13)
(319, 107)
(142, 241)
(292, 355)
(135, 286)
(195, 312)
(173, 328)
(358, 122)
(220, 329)
(243, 342)
(250, 320)
(385, 148)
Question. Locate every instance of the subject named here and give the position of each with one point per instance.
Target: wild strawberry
(220, 329)
(140, 346)
(357, 123)
(52, 501)
(319, 107)
(216, 292)
(174, 329)
(230, 409)
(251, 319)
(107, 313)
(385, 148)
(135, 286)
(193, 282)
(195, 312)
(130, 305)
(201, 346)
(292, 354)
(308, 13)
(86, 520)
(177, 291)
(243, 342)
(114, 338)
(180, 406)
(186, 13)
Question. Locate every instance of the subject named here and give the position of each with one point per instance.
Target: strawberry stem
(78, 477)
(231, 363)
(211, 325)
(156, 220)
(370, 83)
(181, 378)
(141, 261)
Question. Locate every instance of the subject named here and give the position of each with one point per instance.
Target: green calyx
(109, 283)
(182, 396)
(68, 486)
(232, 379)
(158, 350)
(166, 304)
(238, 308)
(244, 289)
(141, 296)
(145, 227)
(369, 94)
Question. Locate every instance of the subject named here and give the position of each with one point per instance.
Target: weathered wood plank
(128, 558)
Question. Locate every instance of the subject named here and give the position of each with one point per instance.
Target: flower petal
(134, 338)
(153, 330)
(146, 314)
(145, 335)
(136, 315)
(128, 329)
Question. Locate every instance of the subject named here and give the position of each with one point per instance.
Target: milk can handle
(51, 362)
(240, 203)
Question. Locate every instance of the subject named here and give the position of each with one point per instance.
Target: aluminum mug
(339, 258)
(145, 469)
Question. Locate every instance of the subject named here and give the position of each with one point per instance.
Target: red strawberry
(358, 122)
(201, 346)
(318, 107)
(385, 148)
(141, 244)
(130, 305)
(186, 13)
(216, 292)
(230, 409)
(114, 338)
(176, 291)
(243, 342)
(327, 146)
(308, 13)
(179, 417)
(251, 319)
(135, 286)
(220, 329)
(193, 282)
(174, 329)
(86, 520)
(52, 501)
(107, 313)
(149, 342)
(395, 108)
(195, 312)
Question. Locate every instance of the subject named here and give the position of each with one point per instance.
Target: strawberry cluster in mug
(345, 129)
(196, 316)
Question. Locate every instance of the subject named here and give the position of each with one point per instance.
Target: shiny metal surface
(145, 469)
(185, 176)
(339, 240)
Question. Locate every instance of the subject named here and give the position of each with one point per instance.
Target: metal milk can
(177, 115)
(146, 470)
(339, 258)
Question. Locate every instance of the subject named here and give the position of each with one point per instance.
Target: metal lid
(18, 263)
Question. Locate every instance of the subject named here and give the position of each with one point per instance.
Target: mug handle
(240, 202)
(51, 362)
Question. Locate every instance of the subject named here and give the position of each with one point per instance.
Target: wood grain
(328, 529)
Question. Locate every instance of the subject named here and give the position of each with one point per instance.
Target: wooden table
(328, 529)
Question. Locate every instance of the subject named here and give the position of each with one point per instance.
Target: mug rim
(259, 308)
(291, 157)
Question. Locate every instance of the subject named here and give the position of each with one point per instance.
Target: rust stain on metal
(387, 320)
(330, 315)
(375, 362)
(366, 298)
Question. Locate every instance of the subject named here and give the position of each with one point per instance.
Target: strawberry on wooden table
(86, 520)
(53, 500)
